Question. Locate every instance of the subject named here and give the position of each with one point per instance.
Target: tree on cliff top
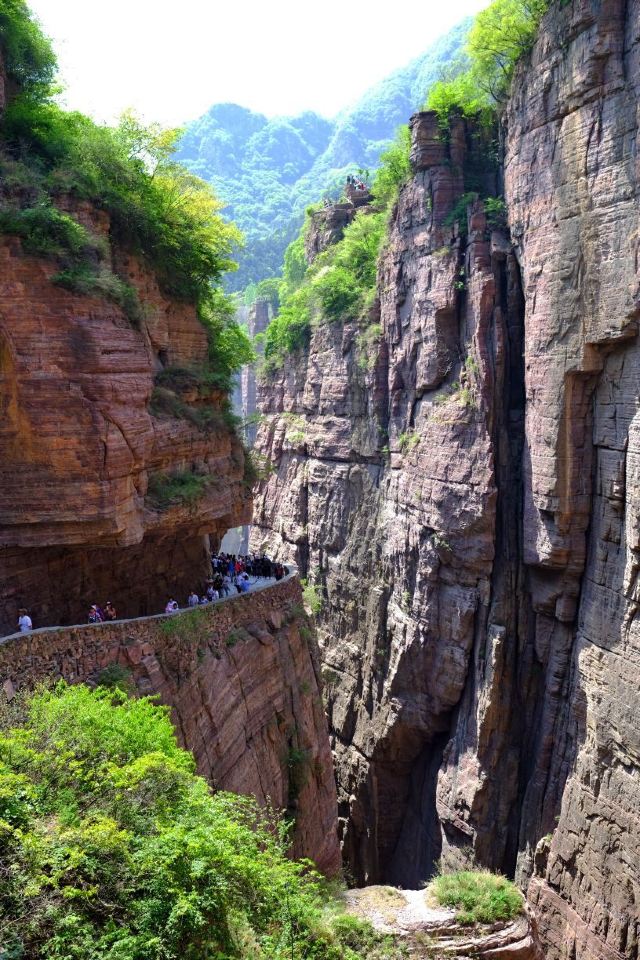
(28, 58)
(479, 82)
(112, 847)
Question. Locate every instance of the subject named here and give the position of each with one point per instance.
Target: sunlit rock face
(459, 481)
(79, 442)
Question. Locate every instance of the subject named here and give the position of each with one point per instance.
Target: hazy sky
(171, 61)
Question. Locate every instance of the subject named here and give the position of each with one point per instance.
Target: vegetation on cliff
(112, 847)
(478, 83)
(340, 284)
(51, 161)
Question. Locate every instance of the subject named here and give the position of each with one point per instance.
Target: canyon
(457, 476)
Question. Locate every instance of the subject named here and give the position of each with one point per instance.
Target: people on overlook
(94, 615)
(24, 621)
(171, 606)
(110, 611)
(193, 599)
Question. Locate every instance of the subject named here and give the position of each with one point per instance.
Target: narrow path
(260, 583)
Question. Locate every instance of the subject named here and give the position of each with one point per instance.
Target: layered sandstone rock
(79, 443)
(460, 483)
(572, 187)
(242, 680)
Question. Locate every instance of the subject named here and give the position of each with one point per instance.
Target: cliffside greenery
(341, 282)
(113, 849)
(479, 81)
(52, 161)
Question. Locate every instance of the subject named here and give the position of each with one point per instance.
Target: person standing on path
(24, 621)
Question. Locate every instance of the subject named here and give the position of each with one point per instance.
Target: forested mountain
(268, 170)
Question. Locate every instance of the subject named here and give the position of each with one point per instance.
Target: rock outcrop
(458, 479)
(79, 443)
(242, 679)
(427, 931)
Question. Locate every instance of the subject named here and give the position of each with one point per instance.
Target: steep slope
(460, 486)
(269, 170)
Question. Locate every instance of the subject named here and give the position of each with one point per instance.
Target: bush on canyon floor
(112, 848)
(479, 82)
(158, 210)
(312, 596)
(477, 896)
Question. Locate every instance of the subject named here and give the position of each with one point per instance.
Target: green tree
(113, 849)
(500, 35)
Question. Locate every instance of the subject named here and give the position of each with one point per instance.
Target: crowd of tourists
(230, 575)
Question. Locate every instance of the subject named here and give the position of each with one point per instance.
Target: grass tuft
(477, 896)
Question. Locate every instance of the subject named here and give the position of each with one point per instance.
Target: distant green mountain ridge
(267, 170)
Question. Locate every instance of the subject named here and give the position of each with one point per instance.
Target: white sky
(172, 61)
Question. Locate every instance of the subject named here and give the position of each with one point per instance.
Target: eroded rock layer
(79, 443)
(457, 476)
(242, 680)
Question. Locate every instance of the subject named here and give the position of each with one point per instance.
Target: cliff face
(76, 381)
(459, 481)
(241, 678)
(572, 186)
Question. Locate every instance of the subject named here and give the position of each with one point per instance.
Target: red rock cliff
(460, 482)
(79, 443)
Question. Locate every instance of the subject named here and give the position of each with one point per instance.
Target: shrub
(478, 897)
(312, 596)
(113, 847)
(103, 283)
(394, 169)
(407, 441)
(116, 676)
(167, 490)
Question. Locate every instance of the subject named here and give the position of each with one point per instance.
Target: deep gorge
(455, 472)
(460, 487)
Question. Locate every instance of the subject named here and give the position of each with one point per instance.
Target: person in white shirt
(171, 606)
(24, 621)
(194, 599)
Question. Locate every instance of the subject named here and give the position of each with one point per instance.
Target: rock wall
(458, 479)
(242, 679)
(79, 442)
(572, 187)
